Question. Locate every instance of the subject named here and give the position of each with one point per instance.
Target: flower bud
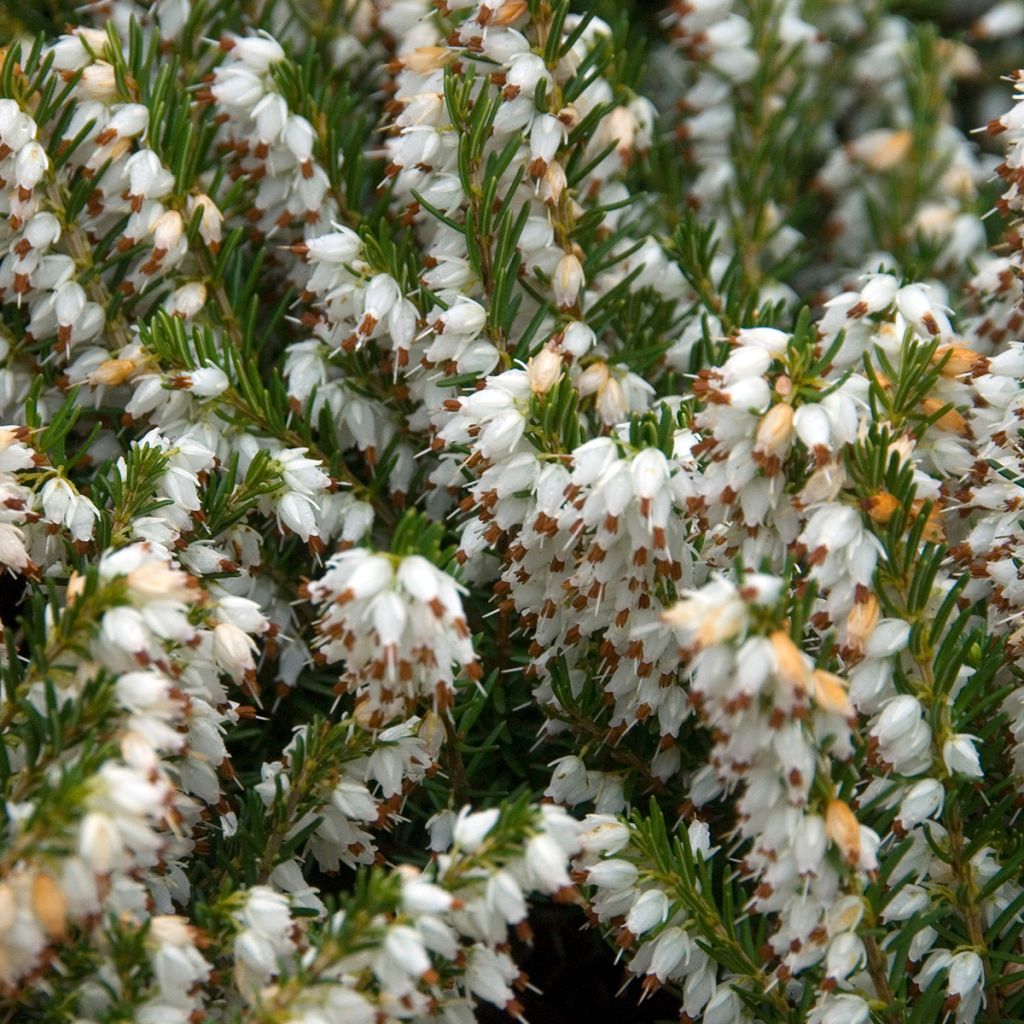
(842, 828)
(49, 905)
(830, 693)
(98, 82)
(167, 230)
(567, 281)
(544, 369)
(774, 430)
(790, 665)
(187, 300)
(210, 220)
(425, 59)
(861, 621)
(112, 372)
(882, 149)
(553, 184)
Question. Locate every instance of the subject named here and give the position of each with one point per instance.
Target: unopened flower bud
(553, 183)
(842, 828)
(187, 300)
(49, 905)
(425, 59)
(544, 369)
(861, 622)
(112, 372)
(790, 665)
(567, 281)
(210, 220)
(830, 693)
(167, 230)
(882, 149)
(98, 82)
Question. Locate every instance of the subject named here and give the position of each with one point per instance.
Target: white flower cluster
(437, 944)
(142, 630)
(401, 756)
(399, 627)
(393, 398)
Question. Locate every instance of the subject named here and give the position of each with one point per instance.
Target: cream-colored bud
(553, 183)
(567, 281)
(167, 230)
(775, 430)
(98, 82)
(210, 220)
(544, 369)
(593, 378)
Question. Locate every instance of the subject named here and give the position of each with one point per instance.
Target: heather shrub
(462, 455)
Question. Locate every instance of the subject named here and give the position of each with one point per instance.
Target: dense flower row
(388, 392)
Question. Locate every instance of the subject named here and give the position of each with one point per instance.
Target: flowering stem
(924, 656)
(454, 763)
(967, 893)
(876, 968)
(717, 936)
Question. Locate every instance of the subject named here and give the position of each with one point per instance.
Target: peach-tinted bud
(861, 622)
(830, 693)
(842, 828)
(112, 372)
(75, 587)
(882, 149)
(951, 420)
(425, 59)
(961, 360)
(789, 662)
(50, 906)
(509, 12)
(881, 507)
